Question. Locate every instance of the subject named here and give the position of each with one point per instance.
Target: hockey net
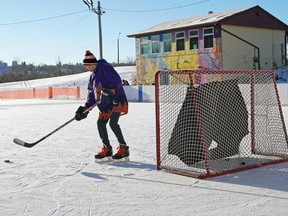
(210, 123)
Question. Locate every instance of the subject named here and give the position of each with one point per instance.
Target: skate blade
(103, 160)
(124, 159)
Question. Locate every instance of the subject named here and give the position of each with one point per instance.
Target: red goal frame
(192, 76)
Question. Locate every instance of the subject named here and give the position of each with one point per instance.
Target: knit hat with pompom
(89, 58)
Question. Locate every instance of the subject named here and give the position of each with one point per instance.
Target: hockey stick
(29, 145)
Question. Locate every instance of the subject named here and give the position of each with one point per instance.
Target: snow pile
(81, 79)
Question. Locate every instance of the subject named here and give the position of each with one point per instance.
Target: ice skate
(104, 155)
(122, 154)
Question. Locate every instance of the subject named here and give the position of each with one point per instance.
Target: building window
(180, 41)
(144, 45)
(167, 41)
(155, 43)
(193, 39)
(208, 37)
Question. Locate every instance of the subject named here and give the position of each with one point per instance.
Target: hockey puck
(7, 161)
(243, 163)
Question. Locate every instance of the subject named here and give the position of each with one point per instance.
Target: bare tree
(59, 65)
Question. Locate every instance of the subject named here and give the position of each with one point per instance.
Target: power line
(63, 29)
(42, 19)
(156, 10)
(130, 11)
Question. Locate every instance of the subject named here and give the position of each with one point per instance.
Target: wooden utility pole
(99, 12)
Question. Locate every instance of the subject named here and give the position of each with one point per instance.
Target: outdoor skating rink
(58, 176)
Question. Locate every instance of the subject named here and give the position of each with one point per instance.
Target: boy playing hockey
(105, 87)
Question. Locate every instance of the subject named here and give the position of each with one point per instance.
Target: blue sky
(45, 32)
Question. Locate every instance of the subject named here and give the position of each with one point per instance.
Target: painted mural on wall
(148, 65)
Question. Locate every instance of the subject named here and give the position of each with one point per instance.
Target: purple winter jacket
(104, 76)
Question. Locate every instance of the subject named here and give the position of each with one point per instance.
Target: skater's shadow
(134, 164)
(130, 164)
(93, 175)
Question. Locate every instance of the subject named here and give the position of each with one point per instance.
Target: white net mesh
(213, 122)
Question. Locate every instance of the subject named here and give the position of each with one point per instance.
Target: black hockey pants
(113, 123)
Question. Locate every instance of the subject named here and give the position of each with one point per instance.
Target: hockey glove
(80, 113)
(106, 96)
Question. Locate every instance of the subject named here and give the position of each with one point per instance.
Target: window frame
(194, 36)
(144, 41)
(155, 43)
(169, 40)
(208, 36)
(180, 39)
